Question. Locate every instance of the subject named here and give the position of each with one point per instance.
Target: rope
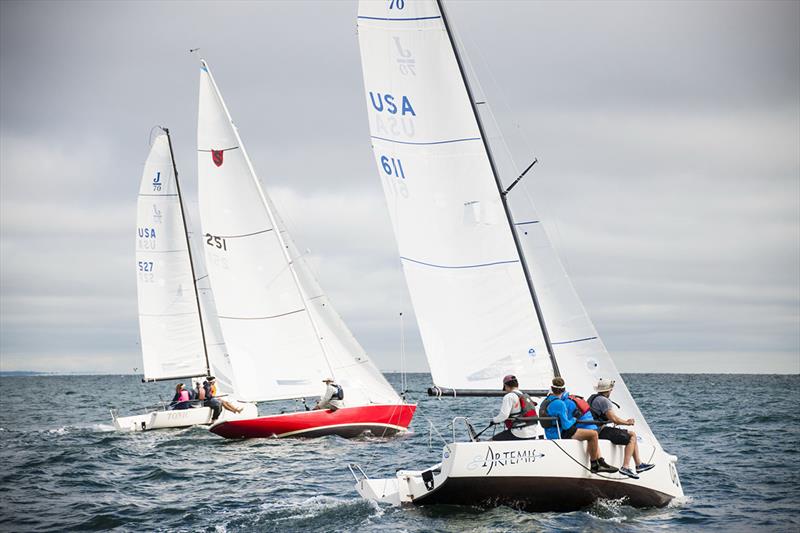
(579, 463)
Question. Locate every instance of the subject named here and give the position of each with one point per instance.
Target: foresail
(463, 271)
(274, 350)
(169, 322)
(582, 356)
(351, 366)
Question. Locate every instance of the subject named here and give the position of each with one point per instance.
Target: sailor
(565, 427)
(216, 404)
(332, 399)
(515, 405)
(602, 408)
(181, 398)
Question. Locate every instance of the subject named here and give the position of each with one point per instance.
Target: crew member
(602, 408)
(516, 405)
(332, 399)
(565, 427)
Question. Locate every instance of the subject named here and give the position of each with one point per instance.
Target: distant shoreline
(33, 373)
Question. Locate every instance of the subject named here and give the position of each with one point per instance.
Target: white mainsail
(474, 307)
(169, 320)
(282, 333)
(463, 270)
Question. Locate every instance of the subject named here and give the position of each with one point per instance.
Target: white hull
(535, 475)
(179, 418)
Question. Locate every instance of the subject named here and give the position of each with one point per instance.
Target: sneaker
(643, 467)
(602, 466)
(628, 472)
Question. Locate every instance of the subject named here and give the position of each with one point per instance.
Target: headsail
(282, 334)
(464, 273)
(169, 319)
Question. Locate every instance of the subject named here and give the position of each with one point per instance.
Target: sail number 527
(392, 166)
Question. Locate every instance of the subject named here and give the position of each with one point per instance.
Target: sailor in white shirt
(332, 399)
(515, 404)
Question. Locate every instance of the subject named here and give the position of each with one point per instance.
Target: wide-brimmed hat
(604, 385)
(327, 380)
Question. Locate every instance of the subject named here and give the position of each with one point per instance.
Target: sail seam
(524, 223)
(403, 19)
(220, 150)
(144, 194)
(576, 340)
(260, 317)
(159, 251)
(244, 234)
(427, 143)
(460, 266)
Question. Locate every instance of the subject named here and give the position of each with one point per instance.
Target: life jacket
(597, 414)
(201, 393)
(339, 394)
(527, 407)
(543, 410)
(183, 396)
(213, 389)
(581, 406)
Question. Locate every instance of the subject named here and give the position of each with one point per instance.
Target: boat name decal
(507, 458)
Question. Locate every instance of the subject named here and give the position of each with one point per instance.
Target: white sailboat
(283, 335)
(490, 294)
(180, 339)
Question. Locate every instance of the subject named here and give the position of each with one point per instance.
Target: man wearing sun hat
(332, 399)
(603, 409)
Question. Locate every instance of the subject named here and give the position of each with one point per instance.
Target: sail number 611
(392, 166)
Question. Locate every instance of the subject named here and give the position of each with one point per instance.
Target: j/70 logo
(500, 459)
(157, 182)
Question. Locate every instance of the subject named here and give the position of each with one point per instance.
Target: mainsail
(463, 254)
(282, 333)
(169, 318)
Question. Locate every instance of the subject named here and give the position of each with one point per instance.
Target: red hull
(348, 422)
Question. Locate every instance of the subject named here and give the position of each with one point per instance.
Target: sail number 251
(217, 242)
(393, 167)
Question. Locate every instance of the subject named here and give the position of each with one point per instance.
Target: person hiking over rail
(515, 405)
(558, 404)
(602, 408)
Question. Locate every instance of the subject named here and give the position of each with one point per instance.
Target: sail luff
(188, 249)
(506, 208)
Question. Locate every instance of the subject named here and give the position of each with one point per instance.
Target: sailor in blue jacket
(557, 404)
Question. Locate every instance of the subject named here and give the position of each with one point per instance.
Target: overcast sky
(668, 138)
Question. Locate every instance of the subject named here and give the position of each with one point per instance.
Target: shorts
(615, 435)
(568, 433)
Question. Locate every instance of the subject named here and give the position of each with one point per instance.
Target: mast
(272, 220)
(189, 249)
(509, 216)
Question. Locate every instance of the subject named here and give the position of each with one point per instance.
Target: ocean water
(62, 467)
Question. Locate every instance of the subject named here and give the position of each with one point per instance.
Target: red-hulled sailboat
(282, 333)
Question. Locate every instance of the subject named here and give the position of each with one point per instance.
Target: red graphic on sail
(216, 156)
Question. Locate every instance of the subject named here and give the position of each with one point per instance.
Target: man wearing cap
(515, 404)
(603, 409)
(216, 404)
(566, 425)
(332, 399)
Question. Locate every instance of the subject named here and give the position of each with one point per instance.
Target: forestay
(169, 321)
(474, 309)
(282, 334)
